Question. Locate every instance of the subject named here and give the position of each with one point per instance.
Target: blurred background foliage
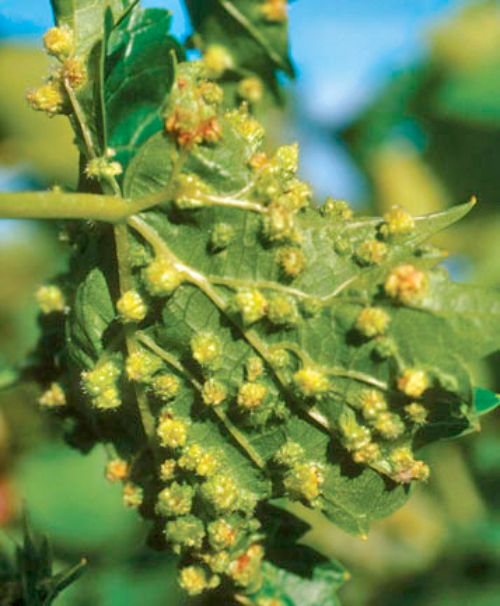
(423, 132)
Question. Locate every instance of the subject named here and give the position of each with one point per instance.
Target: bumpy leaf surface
(235, 342)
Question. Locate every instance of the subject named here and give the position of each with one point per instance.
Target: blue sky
(344, 50)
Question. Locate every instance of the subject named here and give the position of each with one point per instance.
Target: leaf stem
(80, 119)
(67, 205)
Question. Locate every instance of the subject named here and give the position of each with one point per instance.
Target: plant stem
(55, 205)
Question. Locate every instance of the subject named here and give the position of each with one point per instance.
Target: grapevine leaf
(328, 339)
(139, 70)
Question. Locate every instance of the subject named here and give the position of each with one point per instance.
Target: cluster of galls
(302, 478)
(378, 436)
(70, 71)
(53, 97)
(210, 516)
(193, 116)
(255, 400)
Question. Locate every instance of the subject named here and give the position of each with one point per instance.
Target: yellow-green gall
(117, 470)
(389, 425)
(50, 299)
(195, 458)
(221, 534)
(416, 413)
(254, 367)
(246, 570)
(355, 436)
(132, 495)
(279, 222)
(291, 261)
(103, 168)
(211, 92)
(172, 432)
(191, 191)
(161, 277)
(222, 492)
(368, 454)
(74, 72)
(413, 382)
(251, 304)
(274, 11)
(141, 365)
(406, 468)
(337, 209)
(213, 392)
(372, 252)
(167, 470)
(372, 404)
(206, 349)
(186, 532)
(193, 579)
(217, 562)
(109, 399)
(289, 454)
(278, 357)
(208, 464)
(131, 307)
(251, 395)
(217, 59)
(101, 377)
(245, 125)
(372, 322)
(406, 284)
(298, 195)
(384, 348)
(251, 89)
(311, 382)
(303, 481)
(175, 500)
(397, 222)
(53, 397)
(312, 306)
(166, 386)
(190, 457)
(282, 310)
(59, 41)
(48, 98)
(287, 160)
(222, 235)
(100, 383)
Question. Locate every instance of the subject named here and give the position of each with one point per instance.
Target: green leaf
(318, 589)
(138, 74)
(256, 45)
(91, 315)
(485, 401)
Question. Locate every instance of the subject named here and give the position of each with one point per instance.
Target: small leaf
(91, 315)
(485, 401)
(138, 74)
